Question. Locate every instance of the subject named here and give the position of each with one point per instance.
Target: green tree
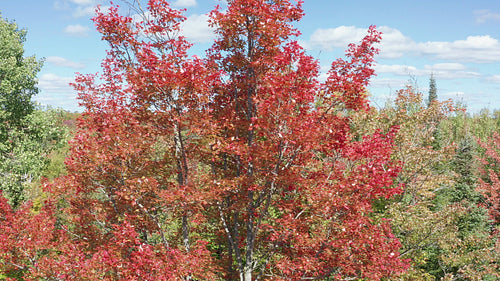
(21, 167)
(432, 90)
(422, 231)
(27, 134)
(442, 229)
(17, 74)
(467, 259)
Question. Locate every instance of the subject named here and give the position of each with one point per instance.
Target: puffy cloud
(78, 8)
(184, 3)
(196, 29)
(86, 11)
(394, 44)
(52, 83)
(76, 30)
(338, 37)
(483, 16)
(478, 49)
(59, 61)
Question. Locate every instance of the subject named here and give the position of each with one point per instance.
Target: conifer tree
(432, 90)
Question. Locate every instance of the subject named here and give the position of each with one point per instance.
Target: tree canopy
(17, 74)
(237, 166)
(244, 165)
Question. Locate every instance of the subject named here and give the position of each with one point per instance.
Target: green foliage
(17, 75)
(432, 91)
(31, 139)
(24, 156)
(480, 125)
(438, 219)
(464, 161)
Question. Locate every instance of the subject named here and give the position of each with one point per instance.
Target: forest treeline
(241, 166)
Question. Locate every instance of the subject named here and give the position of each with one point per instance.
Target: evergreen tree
(432, 90)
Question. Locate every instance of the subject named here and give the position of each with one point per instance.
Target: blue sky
(457, 40)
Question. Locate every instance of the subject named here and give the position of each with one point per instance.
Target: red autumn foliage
(490, 183)
(237, 166)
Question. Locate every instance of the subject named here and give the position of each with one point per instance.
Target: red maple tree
(236, 166)
(489, 184)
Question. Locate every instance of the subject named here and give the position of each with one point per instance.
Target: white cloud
(52, 83)
(478, 49)
(78, 8)
(338, 37)
(483, 16)
(59, 61)
(83, 2)
(196, 29)
(60, 5)
(447, 66)
(56, 92)
(67, 101)
(76, 30)
(184, 3)
(394, 44)
(400, 70)
(390, 83)
(453, 95)
(87, 11)
(493, 79)
(440, 70)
